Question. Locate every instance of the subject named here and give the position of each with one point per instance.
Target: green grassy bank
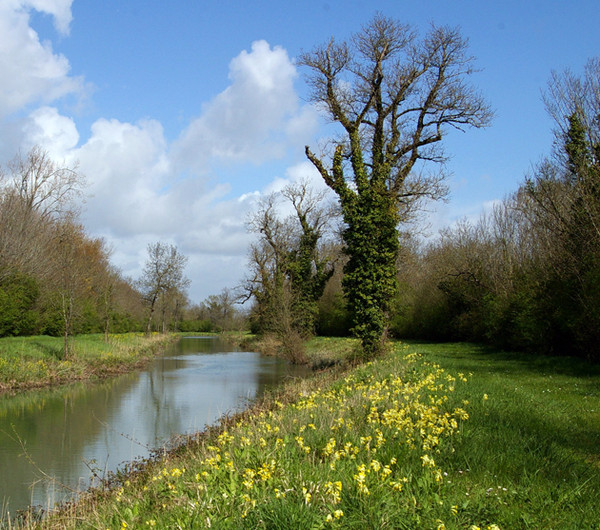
(31, 362)
(431, 436)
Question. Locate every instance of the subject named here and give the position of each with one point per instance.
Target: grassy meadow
(429, 436)
(30, 362)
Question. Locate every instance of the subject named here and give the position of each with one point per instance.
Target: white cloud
(135, 198)
(59, 9)
(58, 134)
(254, 118)
(140, 189)
(301, 172)
(30, 72)
(126, 168)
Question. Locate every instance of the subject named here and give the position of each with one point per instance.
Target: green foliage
(370, 284)
(308, 276)
(308, 273)
(202, 326)
(576, 148)
(121, 322)
(18, 297)
(333, 319)
(527, 275)
(89, 320)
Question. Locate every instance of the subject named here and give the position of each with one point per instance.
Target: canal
(53, 442)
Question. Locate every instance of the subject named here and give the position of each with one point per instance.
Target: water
(52, 442)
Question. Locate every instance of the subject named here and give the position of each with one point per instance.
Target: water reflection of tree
(118, 418)
(37, 430)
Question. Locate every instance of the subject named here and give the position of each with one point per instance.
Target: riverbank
(36, 362)
(319, 353)
(431, 436)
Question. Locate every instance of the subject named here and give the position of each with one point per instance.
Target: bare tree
(395, 98)
(70, 273)
(108, 281)
(220, 310)
(289, 269)
(34, 190)
(24, 237)
(568, 95)
(162, 277)
(45, 186)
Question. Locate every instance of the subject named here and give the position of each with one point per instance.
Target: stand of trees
(219, 312)
(56, 280)
(526, 275)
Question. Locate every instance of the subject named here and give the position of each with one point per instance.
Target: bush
(18, 295)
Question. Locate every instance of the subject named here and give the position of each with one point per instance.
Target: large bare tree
(395, 96)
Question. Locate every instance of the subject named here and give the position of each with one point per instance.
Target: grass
(431, 436)
(534, 443)
(318, 354)
(31, 362)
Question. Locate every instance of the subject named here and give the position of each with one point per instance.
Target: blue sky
(181, 114)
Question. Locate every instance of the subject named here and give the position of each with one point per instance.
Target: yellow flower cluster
(331, 446)
(335, 515)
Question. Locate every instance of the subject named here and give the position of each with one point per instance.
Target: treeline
(57, 280)
(218, 312)
(527, 274)
(524, 276)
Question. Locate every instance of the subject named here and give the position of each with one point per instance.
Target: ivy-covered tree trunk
(394, 98)
(370, 274)
(289, 269)
(308, 272)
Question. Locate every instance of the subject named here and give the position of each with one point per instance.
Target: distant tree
(564, 193)
(162, 277)
(395, 97)
(69, 275)
(176, 301)
(289, 269)
(220, 311)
